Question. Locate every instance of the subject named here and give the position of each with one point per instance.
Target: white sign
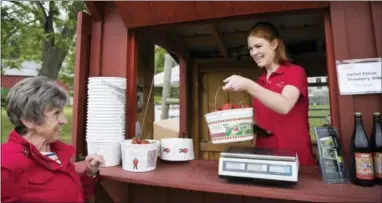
(360, 76)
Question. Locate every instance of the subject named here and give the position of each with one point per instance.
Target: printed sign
(329, 155)
(360, 76)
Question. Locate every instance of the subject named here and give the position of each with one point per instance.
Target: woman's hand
(236, 83)
(93, 163)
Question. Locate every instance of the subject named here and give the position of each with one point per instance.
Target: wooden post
(166, 85)
(132, 68)
(81, 69)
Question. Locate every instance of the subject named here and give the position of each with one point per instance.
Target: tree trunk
(52, 60)
(168, 63)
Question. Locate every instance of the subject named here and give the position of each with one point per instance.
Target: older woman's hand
(93, 163)
(236, 83)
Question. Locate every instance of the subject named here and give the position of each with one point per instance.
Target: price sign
(360, 76)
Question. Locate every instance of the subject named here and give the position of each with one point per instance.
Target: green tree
(159, 59)
(66, 74)
(39, 30)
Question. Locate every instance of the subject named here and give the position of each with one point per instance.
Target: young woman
(280, 95)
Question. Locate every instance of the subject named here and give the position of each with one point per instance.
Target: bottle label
(378, 164)
(364, 166)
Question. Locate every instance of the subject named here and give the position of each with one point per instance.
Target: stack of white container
(105, 126)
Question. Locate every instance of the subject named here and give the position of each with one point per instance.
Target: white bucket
(177, 149)
(109, 79)
(104, 139)
(110, 150)
(139, 157)
(228, 126)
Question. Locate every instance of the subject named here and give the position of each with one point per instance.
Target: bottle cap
(357, 113)
(376, 113)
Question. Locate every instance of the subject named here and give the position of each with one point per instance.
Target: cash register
(259, 164)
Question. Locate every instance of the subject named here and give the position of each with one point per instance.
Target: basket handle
(216, 96)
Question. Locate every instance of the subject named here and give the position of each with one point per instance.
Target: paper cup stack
(105, 126)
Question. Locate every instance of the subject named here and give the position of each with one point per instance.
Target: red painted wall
(8, 81)
(140, 13)
(356, 28)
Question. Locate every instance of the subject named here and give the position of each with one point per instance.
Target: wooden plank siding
(353, 38)
(160, 13)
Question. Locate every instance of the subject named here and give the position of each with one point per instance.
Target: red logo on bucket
(135, 162)
(184, 150)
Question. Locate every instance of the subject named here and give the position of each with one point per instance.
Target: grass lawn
(317, 111)
(7, 126)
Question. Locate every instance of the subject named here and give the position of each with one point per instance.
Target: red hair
(269, 32)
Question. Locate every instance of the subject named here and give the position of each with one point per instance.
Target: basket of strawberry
(230, 123)
(232, 106)
(139, 155)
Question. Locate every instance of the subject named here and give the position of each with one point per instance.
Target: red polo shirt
(290, 131)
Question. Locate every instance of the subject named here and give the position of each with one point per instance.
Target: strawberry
(140, 141)
(245, 106)
(227, 106)
(237, 106)
(232, 106)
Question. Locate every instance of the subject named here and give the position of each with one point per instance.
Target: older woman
(35, 166)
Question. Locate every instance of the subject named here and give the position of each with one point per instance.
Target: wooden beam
(184, 96)
(81, 71)
(195, 109)
(96, 49)
(96, 10)
(175, 57)
(175, 44)
(376, 10)
(219, 41)
(161, 13)
(132, 74)
(225, 64)
(291, 30)
(288, 35)
(334, 96)
(220, 60)
(163, 38)
(208, 146)
(145, 79)
(242, 18)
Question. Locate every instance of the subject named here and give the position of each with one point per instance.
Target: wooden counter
(202, 176)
